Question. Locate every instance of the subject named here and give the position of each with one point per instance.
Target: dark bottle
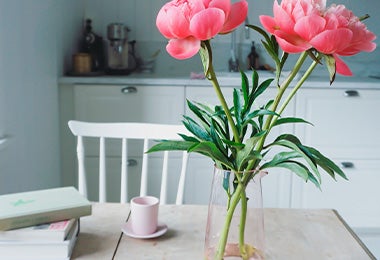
(253, 58)
(93, 45)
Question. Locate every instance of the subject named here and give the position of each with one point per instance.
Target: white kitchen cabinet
(346, 130)
(276, 185)
(345, 121)
(127, 103)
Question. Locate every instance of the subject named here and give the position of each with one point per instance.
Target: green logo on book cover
(21, 202)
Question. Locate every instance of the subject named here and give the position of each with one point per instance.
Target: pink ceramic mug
(144, 215)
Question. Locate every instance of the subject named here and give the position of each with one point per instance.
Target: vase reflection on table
(235, 136)
(246, 229)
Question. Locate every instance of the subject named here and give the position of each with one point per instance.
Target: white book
(52, 250)
(54, 231)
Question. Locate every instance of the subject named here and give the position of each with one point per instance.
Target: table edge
(354, 235)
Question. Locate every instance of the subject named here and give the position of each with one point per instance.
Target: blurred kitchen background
(38, 40)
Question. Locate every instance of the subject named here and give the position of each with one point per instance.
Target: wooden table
(290, 234)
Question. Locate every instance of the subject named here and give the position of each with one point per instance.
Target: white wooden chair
(126, 131)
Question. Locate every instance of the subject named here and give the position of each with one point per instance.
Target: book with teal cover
(42, 206)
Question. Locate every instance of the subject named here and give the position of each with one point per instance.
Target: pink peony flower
(188, 22)
(299, 25)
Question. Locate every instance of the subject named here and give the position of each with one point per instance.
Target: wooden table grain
(289, 234)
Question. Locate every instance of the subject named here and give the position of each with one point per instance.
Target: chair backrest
(124, 132)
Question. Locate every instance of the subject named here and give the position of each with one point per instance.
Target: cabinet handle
(347, 165)
(351, 93)
(128, 90)
(131, 162)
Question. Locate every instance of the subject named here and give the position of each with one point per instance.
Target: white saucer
(127, 229)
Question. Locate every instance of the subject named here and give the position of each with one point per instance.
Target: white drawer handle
(351, 93)
(348, 165)
(128, 90)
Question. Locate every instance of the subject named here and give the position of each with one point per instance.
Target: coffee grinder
(117, 50)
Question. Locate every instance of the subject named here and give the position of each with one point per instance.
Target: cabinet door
(276, 185)
(357, 199)
(111, 103)
(345, 129)
(345, 122)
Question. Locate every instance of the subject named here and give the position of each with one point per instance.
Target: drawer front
(153, 104)
(345, 124)
(357, 199)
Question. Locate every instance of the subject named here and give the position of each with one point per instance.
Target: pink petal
(178, 23)
(237, 15)
(291, 43)
(341, 67)
(309, 26)
(225, 5)
(290, 48)
(207, 23)
(183, 48)
(162, 23)
(283, 19)
(269, 23)
(331, 41)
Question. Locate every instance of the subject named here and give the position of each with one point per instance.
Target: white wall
(32, 36)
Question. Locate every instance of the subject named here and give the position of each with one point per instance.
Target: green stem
(295, 89)
(230, 212)
(222, 100)
(243, 218)
(281, 91)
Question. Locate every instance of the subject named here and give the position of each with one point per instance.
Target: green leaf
(216, 140)
(296, 167)
(281, 157)
(328, 165)
(287, 120)
(233, 144)
(199, 113)
(293, 143)
(273, 53)
(188, 138)
(261, 89)
(171, 145)
(211, 150)
(237, 108)
(206, 56)
(196, 129)
(284, 57)
(331, 66)
(245, 88)
(248, 153)
(259, 30)
(260, 112)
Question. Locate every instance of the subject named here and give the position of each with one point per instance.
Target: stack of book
(41, 224)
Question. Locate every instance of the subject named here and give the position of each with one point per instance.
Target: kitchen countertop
(225, 79)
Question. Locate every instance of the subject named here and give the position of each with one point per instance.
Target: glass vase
(235, 222)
